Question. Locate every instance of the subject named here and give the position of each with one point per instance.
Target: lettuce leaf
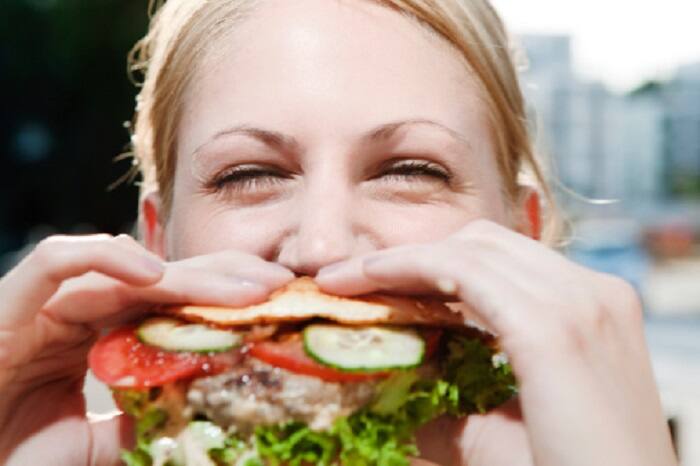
(133, 402)
(137, 457)
(480, 384)
(295, 444)
(147, 427)
(229, 453)
(368, 437)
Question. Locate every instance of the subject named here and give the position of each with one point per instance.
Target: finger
(441, 268)
(129, 242)
(438, 440)
(242, 265)
(197, 286)
(501, 426)
(485, 235)
(110, 434)
(350, 277)
(29, 285)
(489, 292)
(103, 301)
(346, 278)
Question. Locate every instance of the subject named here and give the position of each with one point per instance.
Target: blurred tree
(65, 95)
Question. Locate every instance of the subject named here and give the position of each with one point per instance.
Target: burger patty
(256, 393)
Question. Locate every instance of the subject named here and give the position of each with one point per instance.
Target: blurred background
(614, 98)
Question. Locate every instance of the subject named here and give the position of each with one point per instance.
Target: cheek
(395, 225)
(202, 229)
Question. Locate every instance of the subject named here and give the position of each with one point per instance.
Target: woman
(374, 145)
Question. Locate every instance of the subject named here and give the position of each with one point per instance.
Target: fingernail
(446, 285)
(284, 272)
(370, 261)
(330, 270)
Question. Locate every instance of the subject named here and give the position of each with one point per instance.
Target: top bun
(301, 300)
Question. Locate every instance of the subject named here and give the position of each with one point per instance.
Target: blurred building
(641, 147)
(602, 145)
(681, 98)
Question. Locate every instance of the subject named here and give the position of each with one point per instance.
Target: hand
(53, 305)
(574, 337)
(497, 438)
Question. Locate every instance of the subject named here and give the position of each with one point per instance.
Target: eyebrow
(285, 143)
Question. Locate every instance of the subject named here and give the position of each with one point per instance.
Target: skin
(419, 210)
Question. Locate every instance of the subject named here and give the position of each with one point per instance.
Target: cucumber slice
(363, 349)
(173, 335)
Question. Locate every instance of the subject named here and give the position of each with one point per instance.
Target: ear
(530, 218)
(151, 227)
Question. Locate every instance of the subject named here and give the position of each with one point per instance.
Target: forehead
(329, 68)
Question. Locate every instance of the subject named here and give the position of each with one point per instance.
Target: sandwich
(305, 378)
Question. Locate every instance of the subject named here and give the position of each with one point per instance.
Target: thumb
(110, 433)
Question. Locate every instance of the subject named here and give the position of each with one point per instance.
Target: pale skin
(417, 208)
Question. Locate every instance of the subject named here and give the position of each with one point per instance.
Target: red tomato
(119, 359)
(289, 354)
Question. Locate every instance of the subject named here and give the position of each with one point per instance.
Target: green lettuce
(147, 427)
(481, 385)
(295, 444)
(229, 453)
(132, 401)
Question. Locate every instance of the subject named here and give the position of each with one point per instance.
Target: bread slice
(302, 300)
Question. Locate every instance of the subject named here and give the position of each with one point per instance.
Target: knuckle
(49, 257)
(568, 337)
(590, 321)
(101, 248)
(122, 238)
(544, 339)
(47, 252)
(563, 328)
(602, 314)
(599, 320)
(627, 303)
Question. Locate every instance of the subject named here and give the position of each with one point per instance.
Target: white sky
(621, 42)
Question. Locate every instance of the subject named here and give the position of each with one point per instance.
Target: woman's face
(329, 129)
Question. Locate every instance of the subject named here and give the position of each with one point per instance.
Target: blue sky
(621, 42)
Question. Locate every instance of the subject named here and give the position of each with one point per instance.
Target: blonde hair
(181, 30)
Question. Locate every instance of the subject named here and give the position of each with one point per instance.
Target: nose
(324, 232)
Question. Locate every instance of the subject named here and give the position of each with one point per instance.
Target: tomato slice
(119, 359)
(289, 354)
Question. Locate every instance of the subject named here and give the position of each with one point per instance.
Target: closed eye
(407, 169)
(247, 177)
